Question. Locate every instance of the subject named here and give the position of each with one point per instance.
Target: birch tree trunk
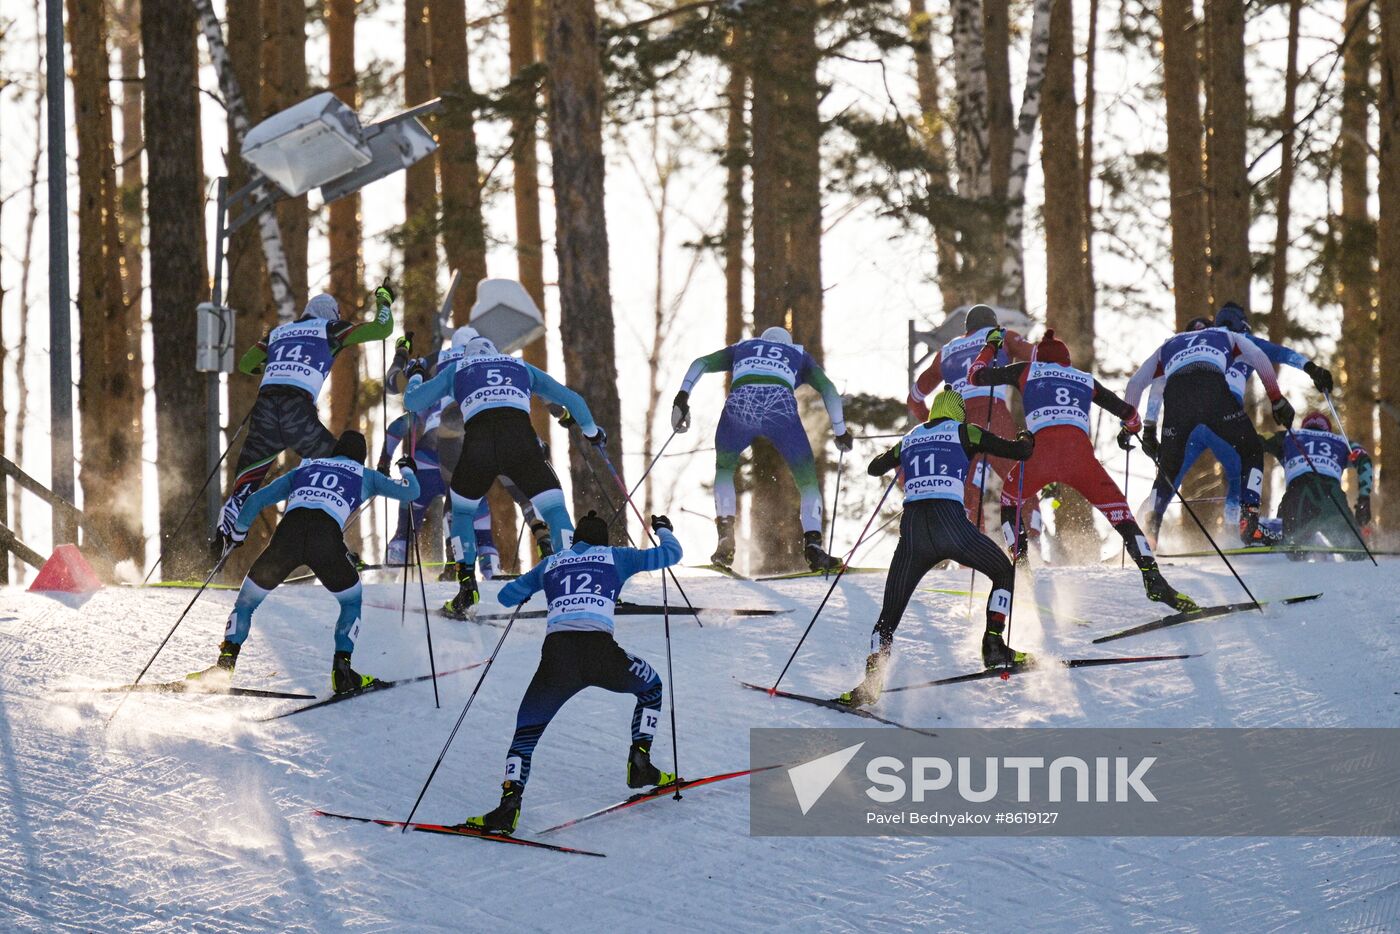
(1357, 346)
(973, 151)
(1013, 272)
(1227, 174)
(1388, 185)
(1182, 85)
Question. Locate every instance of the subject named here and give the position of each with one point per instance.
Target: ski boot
(817, 558)
(504, 817)
(640, 772)
(463, 606)
(1159, 591)
(221, 672)
(724, 553)
(868, 691)
(1253, 532)
(544, 545)
(344, 679)
(997, 654)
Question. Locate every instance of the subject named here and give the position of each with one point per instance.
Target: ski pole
(1201, 525)
(218, 566)
(198, 496)
(671, 683)
(646, 473)
(422, 587)
(463, 715)
(981, 494)
(839, 574)
(835, 503)
(1332, 494)
(1127, 459)
(1020, 495)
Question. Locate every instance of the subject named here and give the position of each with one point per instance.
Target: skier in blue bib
(493, 392)
(581, 585)
(322, 493)
(1202, 439)
(761, 404)
(1314, 458)
(294, 360)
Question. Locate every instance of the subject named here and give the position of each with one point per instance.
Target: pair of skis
(652, 794)
(794, 575)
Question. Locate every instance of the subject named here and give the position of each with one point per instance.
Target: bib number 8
(1062, 395)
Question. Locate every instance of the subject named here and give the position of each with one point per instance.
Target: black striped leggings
(934, 530)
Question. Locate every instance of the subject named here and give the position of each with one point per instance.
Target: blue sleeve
(405, 490)
(1280, 356)
(274, 492)
(420, 396)
(550, 390)
(630, 561)
(394, 434)
(523, 587)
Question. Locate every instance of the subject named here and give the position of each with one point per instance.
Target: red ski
(461, 832)
(660, 791)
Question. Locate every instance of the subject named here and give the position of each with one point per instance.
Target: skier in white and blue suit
(493, 391)
(581, 586)
(322, 493)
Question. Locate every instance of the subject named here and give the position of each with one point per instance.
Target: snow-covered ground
(187, 814)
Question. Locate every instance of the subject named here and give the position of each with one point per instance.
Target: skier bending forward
(582, 585)
(934, 460)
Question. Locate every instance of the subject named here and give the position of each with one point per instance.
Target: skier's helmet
(1052, 350)
(1316, 421)
(1233, 317)
(947, 404)
(979, 317)
(479, 346)
(591, 529)
(1198, 323)
(352, 444)
(463, 335)
(776, 335)
(323, 306)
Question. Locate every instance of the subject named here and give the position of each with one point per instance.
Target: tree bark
(931, 125)
(346, 232)
(973, 152)
(129, 184)
(1227, 181)
(1388, 185)
(1013, 271)
(284, 84)
(1182, 85)
(581, 238)
(1087, 156)
(109, 385)
(178, 281)
(1001, 130)
(1357, 346)
(736, 157)
(1278, 299)
(463, 228)
(420, 253)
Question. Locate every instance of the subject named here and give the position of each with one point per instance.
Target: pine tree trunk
(931, 124)
(1227, 174)
(1278, 299)
(973, 153)
(1001, 133)
(284, 84)
(1182, 85)
(345, 234)
(1357, 346)
(1388, 235)
(109, 386)
(129, 183)
(1087, 156)
(581, 238)
(1012, 282)
(420, 253)
(175, 187)
(736, 157)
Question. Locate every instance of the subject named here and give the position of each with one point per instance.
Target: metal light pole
(60, 338)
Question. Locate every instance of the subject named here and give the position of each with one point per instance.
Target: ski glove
(1026, 440)
(600, 437)
(383, 465)
(384, 295)
(844, 441)
(1125, 439)
(1321, 377)
(405, 343)
(1283, 413)
(661, 522)
(1149, 440)
(1363, 510)
(566, 421)
(406, 463)
(237, 535)
(680, 412)
(416, 368)
(995, 337)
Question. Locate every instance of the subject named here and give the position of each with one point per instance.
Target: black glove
(1149, 440)
(416, 368)
(406, 463)
(1125, 439)
(1283, 412)
(661, 522)
(405, 343)
(1026, 441)
(1363, 510)
(236, 536)
(599, 437)
(566, 420)
(383, 465)
(995, 337)
(680, 412)
(845, 441)
(1321, 377)
(384, 295)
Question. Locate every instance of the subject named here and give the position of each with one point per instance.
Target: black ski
(372, 689)
(1191, 616)
(193, 688)
(1008, 671)
(835, 705)
(643, 609)
(462, 832)
(798, 575)
(720, 569)
(660, 791)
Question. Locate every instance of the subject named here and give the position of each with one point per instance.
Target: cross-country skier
(1233, 317)
(1057, 398)
(989, 410)
(766, 371)
(1195, 364)
(294, 360)
(934, 459)
(321, 493)
(1314, 457)
(582, 586)
(493, 391)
